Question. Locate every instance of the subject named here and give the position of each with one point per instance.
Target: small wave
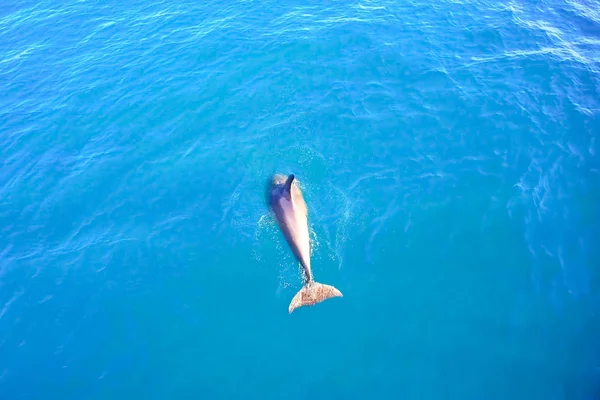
(9, 303)
(591, 13)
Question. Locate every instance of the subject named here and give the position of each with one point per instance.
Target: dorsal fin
(287, 187)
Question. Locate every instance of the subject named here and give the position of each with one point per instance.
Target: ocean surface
(448, 152)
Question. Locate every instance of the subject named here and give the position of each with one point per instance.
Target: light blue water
(448, 153)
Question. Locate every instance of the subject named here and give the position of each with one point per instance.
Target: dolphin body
(286, 201)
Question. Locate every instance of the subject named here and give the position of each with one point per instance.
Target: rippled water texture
(448, 154)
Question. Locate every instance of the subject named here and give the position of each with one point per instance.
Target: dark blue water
(448, 154)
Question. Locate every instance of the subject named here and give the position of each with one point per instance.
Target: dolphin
(286, 200)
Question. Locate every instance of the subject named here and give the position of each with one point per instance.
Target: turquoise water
(448, 154)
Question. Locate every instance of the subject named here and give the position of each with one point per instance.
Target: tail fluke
(313, 293)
